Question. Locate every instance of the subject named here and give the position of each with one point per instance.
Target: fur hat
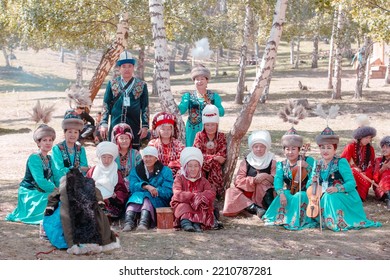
(121, 129)
(260, 136)
(125, 57)
(327, 136)
(210, 114)
(78, 97)
(107, 147)
(364, 131)
(43, 131)
(292, 139)
(191, 153)
(385, 141)
(200, 70)
(72, 121)
(150, 151)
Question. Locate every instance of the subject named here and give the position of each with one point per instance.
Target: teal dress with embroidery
(39, 181)
(135, 113)
(342, 210)
(63, 160)
(194, 105)
(293, 215)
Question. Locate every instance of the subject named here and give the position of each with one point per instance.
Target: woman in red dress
(382, 172)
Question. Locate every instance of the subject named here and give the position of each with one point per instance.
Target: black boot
(187, 225)
(255, 210)
(387, 200)
(197, 227)
(268, 198)
(144, 222)
(130, 221)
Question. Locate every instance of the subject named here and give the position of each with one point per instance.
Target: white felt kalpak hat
(260, 136)
(191, 153)
(150, 151)
(210, 114)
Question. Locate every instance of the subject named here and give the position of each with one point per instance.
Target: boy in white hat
(126, 100)
(193, 197)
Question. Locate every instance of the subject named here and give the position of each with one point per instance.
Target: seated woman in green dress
(340, 204)
(289, 207)
(40, 179)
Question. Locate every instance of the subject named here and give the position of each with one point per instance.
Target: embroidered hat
(200, 70)
(191, 153)
(150, 151)
(385, 141)
(72, 121)
(121, 129)
(43, 131)
(292, 139)
(260, 136)
(125, 57)
(364, 131)
(107, 147)
(210, 114)
(162, 118)
(327, 136)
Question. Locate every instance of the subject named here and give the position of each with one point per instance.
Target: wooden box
(164, 218)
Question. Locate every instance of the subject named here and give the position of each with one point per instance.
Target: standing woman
(382, 172)
(169, 148)
(122, 136)
(253, 187)
(361, 156)
(108, 179)
(40, 179)
(195, 101)
(150, 188)
(70, 153)
(340, 204)
(288, 209)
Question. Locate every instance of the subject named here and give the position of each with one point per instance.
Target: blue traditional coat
(63, 161)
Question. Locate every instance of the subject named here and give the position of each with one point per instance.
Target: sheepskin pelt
(82, 206)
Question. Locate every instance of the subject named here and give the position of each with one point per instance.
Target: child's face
(327, 151)
(385, 151)
(210, 128)
(107, 159)
(71, 135)
(259, 149)
(193, 168)
(366, 140)
(291, 153)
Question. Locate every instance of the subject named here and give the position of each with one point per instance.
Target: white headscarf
(106, 178)
(263, 137)
(188, 154)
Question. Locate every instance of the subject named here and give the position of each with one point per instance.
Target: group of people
(77, 203)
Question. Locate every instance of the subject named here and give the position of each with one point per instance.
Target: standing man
(126, 100)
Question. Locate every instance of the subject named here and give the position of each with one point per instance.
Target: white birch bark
(336, 94)
(244, 119)
(161, 62)
(331, 51)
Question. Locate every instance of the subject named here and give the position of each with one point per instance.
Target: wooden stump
(164, 219)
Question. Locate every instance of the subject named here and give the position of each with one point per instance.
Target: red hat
(120, 129)
(164, 118)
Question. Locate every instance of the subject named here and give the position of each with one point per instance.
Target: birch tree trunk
(331, 51)
(110, 57)
(161, 62)
(314, 57)
(296, 66)
(361, 68)
(368, 68)
(172, 61)
(336, 94)
(387, 76)
(185, 52)
(79, 69)
(292, 54)
(217, 64)
(244, 119)
(140, 73)
(62, 55)
(6, 57)
(243, 54)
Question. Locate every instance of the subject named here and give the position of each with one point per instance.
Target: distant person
(382, 173)
(40, 179)
(361, 155)
(193, 102)
(253, 189)
(193, 197)
(168, 146)
(96, 134)
(126, 100)
(87, 133)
